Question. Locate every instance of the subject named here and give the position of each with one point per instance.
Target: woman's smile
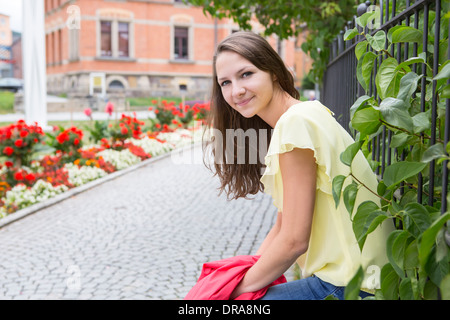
(244, 102)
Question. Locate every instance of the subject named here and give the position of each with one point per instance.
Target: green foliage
(98, 131)
(324, 19)
(419, 257)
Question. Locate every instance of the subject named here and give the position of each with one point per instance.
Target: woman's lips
(244, 102)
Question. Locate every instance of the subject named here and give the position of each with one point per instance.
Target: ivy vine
(418, 254)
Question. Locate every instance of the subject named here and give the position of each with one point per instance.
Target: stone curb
(91, 184)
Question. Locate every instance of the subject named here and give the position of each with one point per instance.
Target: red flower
(76, 141)
(109, 108)
(18, 176)
(18, 143)
(8, 151)
(124, 130)
(23, 133)
(30, 177)
(8, 164)
(62, 137)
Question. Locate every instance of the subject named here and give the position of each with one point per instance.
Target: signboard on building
(97, 83)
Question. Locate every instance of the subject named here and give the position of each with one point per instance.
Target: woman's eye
(224, 83)
(247, 74)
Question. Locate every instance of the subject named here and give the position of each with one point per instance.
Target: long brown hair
(241, 179)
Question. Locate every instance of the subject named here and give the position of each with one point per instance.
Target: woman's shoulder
(306, 110)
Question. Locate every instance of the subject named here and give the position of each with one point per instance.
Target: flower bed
(36, 166)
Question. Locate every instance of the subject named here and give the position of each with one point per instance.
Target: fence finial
(362, 8)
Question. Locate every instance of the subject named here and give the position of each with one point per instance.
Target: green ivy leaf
(349, 194)
(399, 139)
(367, 218)
(434, 152)
(378, 41)
(400, 171)
(407, 34)
(411, 260)
(421, 122)
(389, 282)
(445, 287)
(350, 34)
(366, 121)
(387, 78)
(365, 18)
(408, 85)
(361, 48)
(360, 102)
(350, 152)
(337, 183)
(394, 112)
(444, 73)
(391, 31)
(354, 285)
(421, 58)
(405, 289)
(416, 219)
(396, 245)
(364, 69)
(446, 92)
(429, 238)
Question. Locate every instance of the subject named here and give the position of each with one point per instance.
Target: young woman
(253, 89)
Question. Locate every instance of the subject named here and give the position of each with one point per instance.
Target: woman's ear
(274, 77)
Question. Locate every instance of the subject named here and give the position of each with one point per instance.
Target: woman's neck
(280, 103)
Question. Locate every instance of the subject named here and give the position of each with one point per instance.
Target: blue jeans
(311, 288)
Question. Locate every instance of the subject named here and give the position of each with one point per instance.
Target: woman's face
(245, 88)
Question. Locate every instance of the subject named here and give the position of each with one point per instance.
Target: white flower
(119, 159)
(23, 197)
(81, 175)
(151, 146)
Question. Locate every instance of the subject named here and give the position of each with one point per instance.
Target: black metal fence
(341, 88)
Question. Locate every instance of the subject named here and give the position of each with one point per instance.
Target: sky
(13, 8)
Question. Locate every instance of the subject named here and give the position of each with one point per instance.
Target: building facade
(138, 47)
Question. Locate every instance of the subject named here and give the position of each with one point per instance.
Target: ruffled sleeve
(307, 125)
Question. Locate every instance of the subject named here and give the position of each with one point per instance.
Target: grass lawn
(6, 102)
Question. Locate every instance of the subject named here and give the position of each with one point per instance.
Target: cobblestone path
(143, 235)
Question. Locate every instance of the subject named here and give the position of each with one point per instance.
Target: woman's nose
(238, 91)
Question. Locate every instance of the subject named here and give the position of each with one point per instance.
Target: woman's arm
(298, 170)
(270, 236)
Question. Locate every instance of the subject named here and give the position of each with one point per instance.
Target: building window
(74, 44)
(106, 38)
(123, 39)
(181, 39)
(115, 38)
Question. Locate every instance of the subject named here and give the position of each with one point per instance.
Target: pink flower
(88, 112)
(109, 108)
